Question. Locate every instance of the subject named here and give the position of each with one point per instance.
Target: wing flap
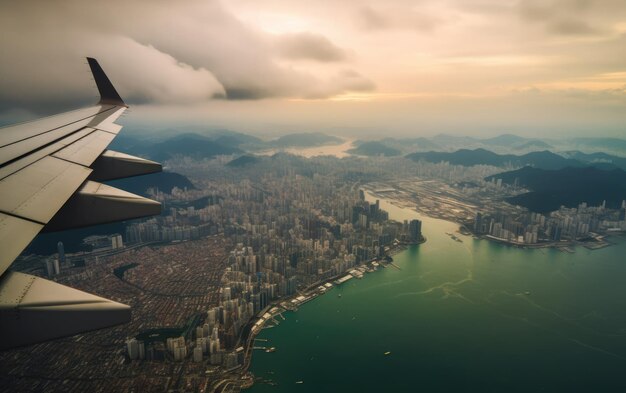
(85, 150)
(97, 203)
(115, 165)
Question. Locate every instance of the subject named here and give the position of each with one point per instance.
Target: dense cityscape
(228, 257)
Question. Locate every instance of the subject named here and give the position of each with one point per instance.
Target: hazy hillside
(244, 160)
(465, 157)
(567, 186)
(597, 158)
(304, 140)
(189, 144)
(534, 145)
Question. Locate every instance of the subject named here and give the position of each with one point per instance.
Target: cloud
(370, 19)
(567, 17)
(400, 17)
(155, 51)
(308, 46)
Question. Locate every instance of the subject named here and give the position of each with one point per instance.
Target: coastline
(257, 323)
(393, 251)
(599, 240)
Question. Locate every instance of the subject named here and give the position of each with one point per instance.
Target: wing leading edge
(49, 173)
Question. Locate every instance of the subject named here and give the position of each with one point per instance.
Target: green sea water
(460, 317)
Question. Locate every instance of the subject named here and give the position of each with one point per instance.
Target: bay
(474, 316)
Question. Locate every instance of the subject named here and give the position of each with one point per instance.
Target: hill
(613, 144)
(534, 144)
(374, 149)
(567, 186)
(541, 159)
(242, 161)
(506, 140)
(597, 158)
(411, 144)
(189, 145)
(304, 140)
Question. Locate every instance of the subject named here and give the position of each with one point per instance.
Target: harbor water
(470, 316)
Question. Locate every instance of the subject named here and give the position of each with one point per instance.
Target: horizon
(480, 68)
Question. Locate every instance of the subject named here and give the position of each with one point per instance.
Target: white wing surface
(49, 173)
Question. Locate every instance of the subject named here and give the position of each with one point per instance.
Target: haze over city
(357, 68)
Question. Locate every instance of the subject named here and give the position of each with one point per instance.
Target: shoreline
(600, 241)
(258, 323)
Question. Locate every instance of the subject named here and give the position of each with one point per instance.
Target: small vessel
(527, 293)
(339, 295)
(270, 349)
(387, 353)
(299, 382)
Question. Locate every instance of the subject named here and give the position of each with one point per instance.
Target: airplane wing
(50, 174)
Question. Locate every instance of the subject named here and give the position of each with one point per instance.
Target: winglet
(108, 94)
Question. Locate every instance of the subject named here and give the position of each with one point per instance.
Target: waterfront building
(61, 252)
(415, 231)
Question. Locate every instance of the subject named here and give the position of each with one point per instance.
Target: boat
(527, 293)
(270, 349)
(387, 353)
(299, 382)
(339, 295)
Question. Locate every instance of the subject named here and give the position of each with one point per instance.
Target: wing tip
(108, 94)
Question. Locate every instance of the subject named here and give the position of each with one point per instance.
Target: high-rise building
(61, 251)
(132, 346)
(50, 267)
(142, 350)
(57, 267)
(478, 224)
(197, 354)
(415, 231)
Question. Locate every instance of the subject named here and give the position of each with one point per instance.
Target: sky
(376, 68)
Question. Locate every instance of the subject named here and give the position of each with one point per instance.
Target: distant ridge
(242, 161)
(598, 158)
(188, 144)
(541, 159)
(309, 139)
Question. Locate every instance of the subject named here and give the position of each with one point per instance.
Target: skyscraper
(415, 231)
(61, 251)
